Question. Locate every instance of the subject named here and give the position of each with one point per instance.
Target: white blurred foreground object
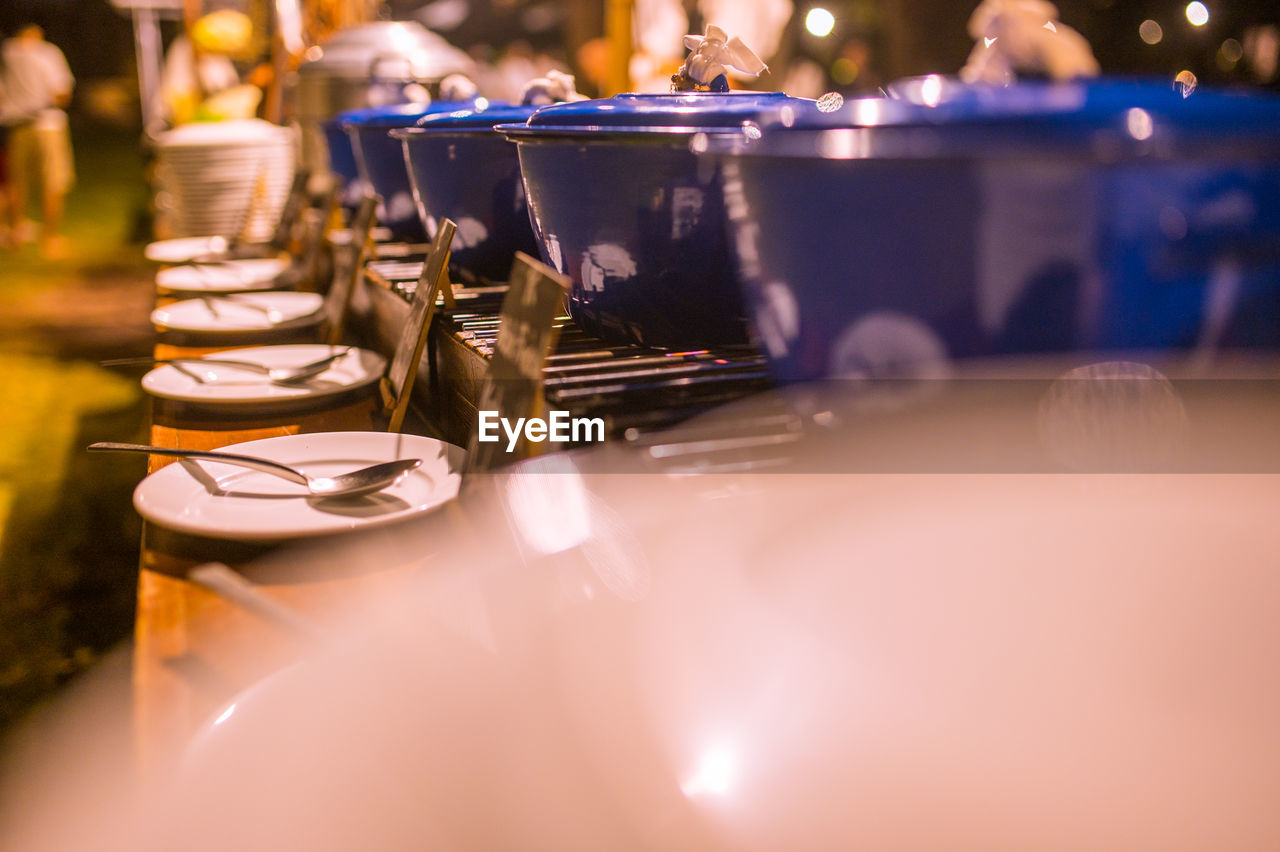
(706, 67)
(763, 661)
(456, 87)
(556, 87)
(1024, 37)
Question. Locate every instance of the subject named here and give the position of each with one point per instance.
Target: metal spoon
(273, 315)
(280, 375)
(206, 270)
(363, 481)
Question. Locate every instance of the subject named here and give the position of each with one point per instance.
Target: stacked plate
(221, 501)
(225, 178)
(230, 378)
(237, 313)
(225, 276)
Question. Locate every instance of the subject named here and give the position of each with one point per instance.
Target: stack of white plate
(225, 178)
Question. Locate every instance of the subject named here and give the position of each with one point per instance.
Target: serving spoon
(366, 480)
(279, 375)
(273, 315)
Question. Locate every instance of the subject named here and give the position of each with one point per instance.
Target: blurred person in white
(660, 27)
(37, 86)
(805, 79)
(200, 81)
(1013, 37)
(758, 23)
(513, 70)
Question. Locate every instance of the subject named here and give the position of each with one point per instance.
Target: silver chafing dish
(373, 64)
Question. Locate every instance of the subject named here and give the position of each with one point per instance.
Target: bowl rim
(606, 134)
(408, 133)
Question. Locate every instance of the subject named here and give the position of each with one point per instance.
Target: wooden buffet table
(193, 647)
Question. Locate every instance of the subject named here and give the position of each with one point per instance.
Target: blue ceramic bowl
(891, 235)
(461, 169)
(622, 206)
(380, 161)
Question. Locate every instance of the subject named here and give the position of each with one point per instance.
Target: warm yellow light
(819, 22)
(1150, 32)
(1197, 13)
(844, 71)
(1229, 54)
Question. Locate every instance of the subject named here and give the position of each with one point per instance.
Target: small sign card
(347, 265)
(398, 382)
(512, 389)
(291, 213)
(257, 201)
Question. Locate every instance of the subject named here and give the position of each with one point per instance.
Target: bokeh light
(1139, 124)
(819, 22)
(1230, 53)
(1197, 13)
(844, 71)
(1150, 32)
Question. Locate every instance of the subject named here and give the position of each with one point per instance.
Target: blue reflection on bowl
(380, 161)
(622, 206)
(1106, 216)
(462, 170)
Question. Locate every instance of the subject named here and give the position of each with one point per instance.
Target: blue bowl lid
(1139, 108)
(1101, 120)
(482, 115)
(675, 112)
(397, 115)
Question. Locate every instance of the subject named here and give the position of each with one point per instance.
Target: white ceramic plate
(220, 501)
(236, 385)
(257, 155)
(222, 277)
(184, 249)
(239, 312)
(249, 131)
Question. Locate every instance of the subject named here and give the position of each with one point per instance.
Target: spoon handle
(300, 375)
(225, 362)
(221, 580)
(263, 465)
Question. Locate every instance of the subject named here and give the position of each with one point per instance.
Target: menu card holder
(257, 200)
(308, 266)
(347, 263)
(446, 293)
(398, 381)
(291, 214)
(526, 334)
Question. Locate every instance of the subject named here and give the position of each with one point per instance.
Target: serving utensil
(211, 304)
(279, 375)
(366, 480)
(221, 580)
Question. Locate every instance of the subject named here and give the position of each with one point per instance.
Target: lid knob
(556, 87)
(704, 70)
(1025, 37)
(458, 87)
